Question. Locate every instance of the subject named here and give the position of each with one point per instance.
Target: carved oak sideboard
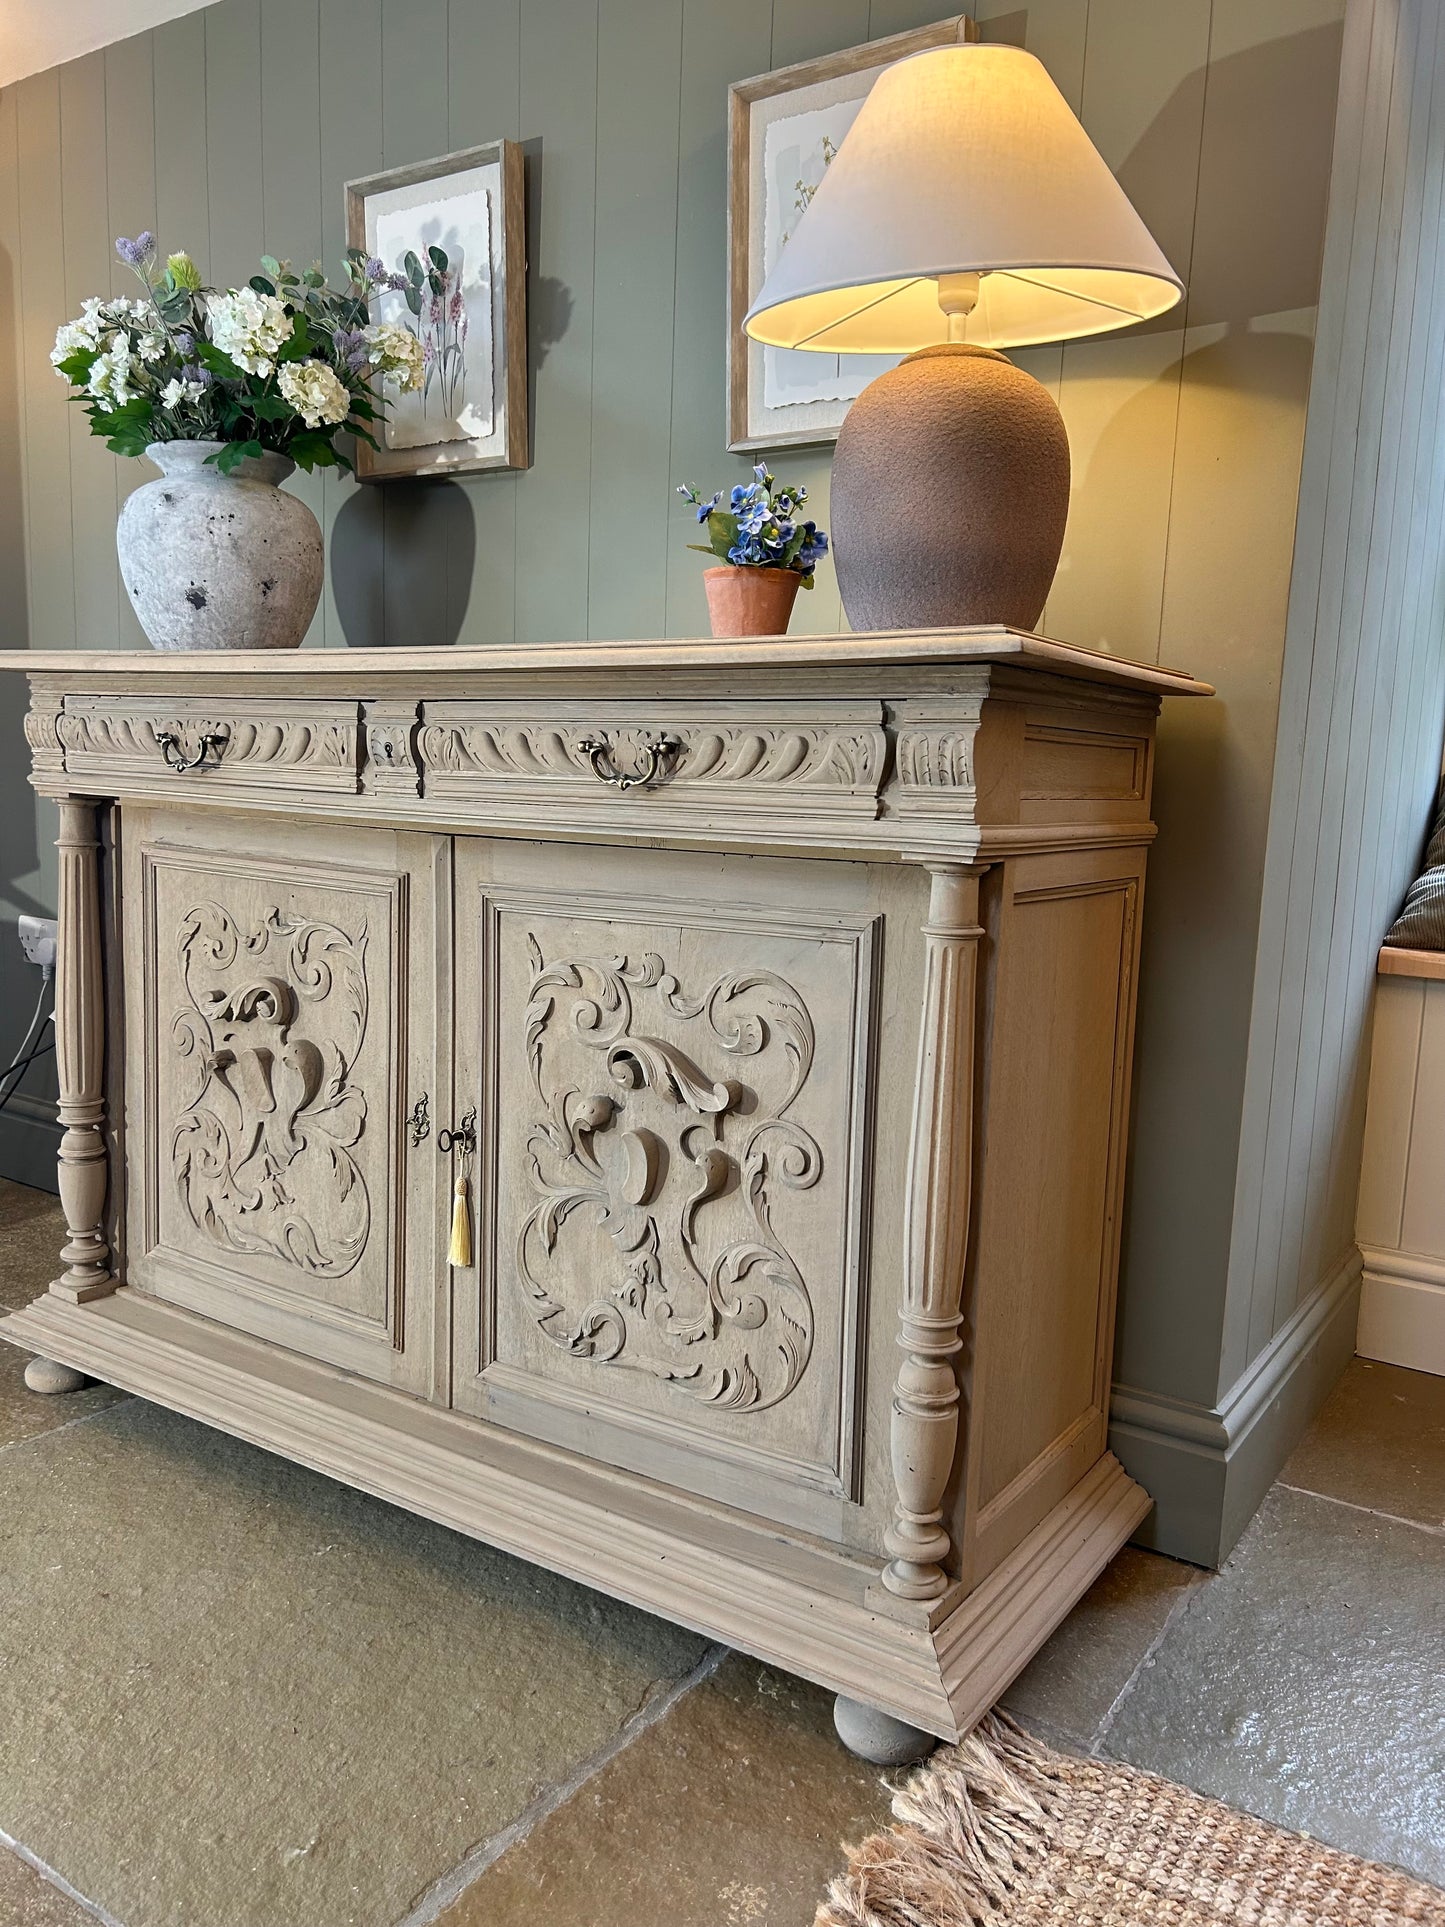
(760, 1016)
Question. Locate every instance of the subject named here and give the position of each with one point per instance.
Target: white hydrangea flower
(71, 336)
(395, 354)
(176, 392)
(150, 347)
(110, 375)
(251, 328)
(315, 393)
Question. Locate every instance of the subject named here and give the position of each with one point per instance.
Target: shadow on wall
(1267, 152)
(19, 848)
(401, 564)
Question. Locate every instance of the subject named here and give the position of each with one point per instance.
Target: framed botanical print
(783, 130)
(450, 235)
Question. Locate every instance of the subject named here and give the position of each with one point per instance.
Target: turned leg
(80, 1058)
(924, 1428)
(878, 1736)
(44, 1375)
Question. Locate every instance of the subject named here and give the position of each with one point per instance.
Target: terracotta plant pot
(750, 602)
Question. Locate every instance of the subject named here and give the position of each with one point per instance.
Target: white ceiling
(36, 34)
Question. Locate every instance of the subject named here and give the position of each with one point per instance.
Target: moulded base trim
(798, 1604)
(1210, 1466)
(1402, 1310)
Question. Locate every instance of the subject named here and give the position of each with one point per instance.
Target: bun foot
(878, 1736)
(44, 1375)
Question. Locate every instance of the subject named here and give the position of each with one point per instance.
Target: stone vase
(950, 494)
(750, 602)
(214, 561)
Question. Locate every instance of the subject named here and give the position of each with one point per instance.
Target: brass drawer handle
(213, 747)
(598, 752)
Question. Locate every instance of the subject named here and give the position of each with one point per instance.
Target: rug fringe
(976, 1822)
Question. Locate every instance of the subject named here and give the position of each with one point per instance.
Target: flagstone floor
(234, 1694)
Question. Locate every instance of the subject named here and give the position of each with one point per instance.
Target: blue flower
(704, 510)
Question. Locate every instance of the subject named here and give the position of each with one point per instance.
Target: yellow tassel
(460, 1252)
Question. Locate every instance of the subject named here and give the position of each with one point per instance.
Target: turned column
(80, 1057)
(924, 1431)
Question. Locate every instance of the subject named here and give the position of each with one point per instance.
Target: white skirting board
(1402, 1310)
(1400, 1224)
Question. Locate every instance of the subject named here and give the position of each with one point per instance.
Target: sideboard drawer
(670, 765)
(234, 746)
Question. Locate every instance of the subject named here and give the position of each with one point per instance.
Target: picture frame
(782, 125)
(470, 208)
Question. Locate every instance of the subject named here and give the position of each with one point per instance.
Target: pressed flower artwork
(445, 239)
(784, 130)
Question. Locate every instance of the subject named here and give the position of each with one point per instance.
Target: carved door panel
(281, 1000)
(670, 1058)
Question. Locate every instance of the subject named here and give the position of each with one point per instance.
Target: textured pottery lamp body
(966, 211)
(982, 446)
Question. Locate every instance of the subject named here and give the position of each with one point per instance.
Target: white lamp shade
(963, 160)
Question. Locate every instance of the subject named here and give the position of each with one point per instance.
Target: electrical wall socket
(37, 940)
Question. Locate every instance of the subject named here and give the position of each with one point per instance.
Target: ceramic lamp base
(950, 494)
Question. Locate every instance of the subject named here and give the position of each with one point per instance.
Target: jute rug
(1001, 1831)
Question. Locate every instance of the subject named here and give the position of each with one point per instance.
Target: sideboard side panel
(1050, 1187)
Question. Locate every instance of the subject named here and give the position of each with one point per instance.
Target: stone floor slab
(27, 1899)
(729, 1813)
(1379, 1442)
(1066, 1693)
(32, 1231)
(236, 1694)
(1306, 1683)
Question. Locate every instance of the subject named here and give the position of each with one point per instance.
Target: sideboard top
(880, 650)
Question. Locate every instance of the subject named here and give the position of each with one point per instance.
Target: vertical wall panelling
(1121, 397)
(483, 104)
(1358, 752)
(559, 114)
(351, 146)
(639, 58)
(88, 255)
(183, 217)
(233, 143)
(419, 517)
(130, 148)
(718, 46)
(291, 170)
(49, 543)
(1255, 257)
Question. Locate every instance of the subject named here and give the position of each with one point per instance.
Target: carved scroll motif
(652, 1245)
(269, 1032)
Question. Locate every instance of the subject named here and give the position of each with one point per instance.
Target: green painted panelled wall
(233, 129)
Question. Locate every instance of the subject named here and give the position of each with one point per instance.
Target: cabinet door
(281, 1000)
(670, 1056)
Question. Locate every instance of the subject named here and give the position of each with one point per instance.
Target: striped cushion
(1421, 922)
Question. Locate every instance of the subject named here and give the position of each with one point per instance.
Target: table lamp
(966, 211)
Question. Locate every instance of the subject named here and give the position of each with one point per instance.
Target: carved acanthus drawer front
(234, 746)
(811, 768)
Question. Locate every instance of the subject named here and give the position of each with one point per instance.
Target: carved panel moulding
(390, 733)
(935, 773)
(42, 731)
(267, 1112)
(297, 743)
(771, 753)
(718, 1310)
